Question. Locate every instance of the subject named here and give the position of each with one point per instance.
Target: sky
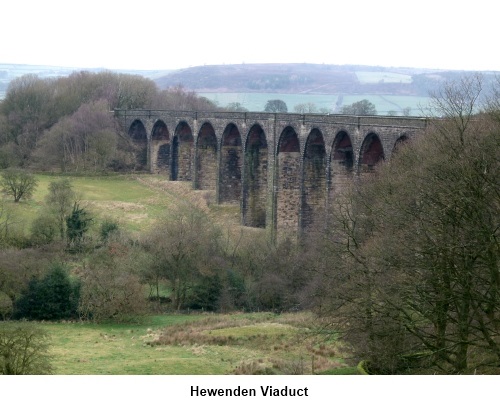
(173, 34)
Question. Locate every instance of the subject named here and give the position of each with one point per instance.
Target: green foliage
(108, 228)
(77, 226)
(6, 306)
(44, 229)
(60, 199)
(18, 184)
(52, 297)
(23, 349)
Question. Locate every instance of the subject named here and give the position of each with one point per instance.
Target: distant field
(382, 77)
(383, 104)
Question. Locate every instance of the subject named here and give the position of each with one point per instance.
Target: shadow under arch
(371, 153)
(139, 137)
(255, 178)
(182, 153)
(314, 181)
(206, 158)
(288, 184)
(231, 158)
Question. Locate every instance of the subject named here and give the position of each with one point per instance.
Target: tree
(111, 287)
(18, 183)
(305, 108)
(86, 140)
(236, 107)
(23, 349)
(184, 247)
(417, 249)
(363, 107)
(60, 200)
(52, 297)
(77, 225)
(276, 106)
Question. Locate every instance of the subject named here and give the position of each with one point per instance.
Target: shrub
(23, 349)
(53, 297)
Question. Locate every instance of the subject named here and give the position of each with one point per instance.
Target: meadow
(174, 343)
(197, 344)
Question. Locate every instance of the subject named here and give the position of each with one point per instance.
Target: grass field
(176, 344)
(383, 103)
(135, 201)
(201, 344)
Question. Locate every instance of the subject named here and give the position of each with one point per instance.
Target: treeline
(66, 123)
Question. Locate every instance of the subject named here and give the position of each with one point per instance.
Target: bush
(54, 297)
(44, 230)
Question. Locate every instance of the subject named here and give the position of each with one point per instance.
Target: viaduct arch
(282, 169)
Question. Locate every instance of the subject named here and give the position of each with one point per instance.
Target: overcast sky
(171, 34)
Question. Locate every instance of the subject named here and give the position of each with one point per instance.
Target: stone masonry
(282, 169)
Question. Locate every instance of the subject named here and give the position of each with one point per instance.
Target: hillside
(307, 79)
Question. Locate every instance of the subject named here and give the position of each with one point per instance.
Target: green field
(384, 104)
(202, 344)
(135, 201)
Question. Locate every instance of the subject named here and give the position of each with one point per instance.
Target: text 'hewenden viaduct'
(283, 169)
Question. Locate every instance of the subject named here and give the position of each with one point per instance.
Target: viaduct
(282, 169)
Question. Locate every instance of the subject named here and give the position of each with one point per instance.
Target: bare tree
(23, 349)
(417, 249)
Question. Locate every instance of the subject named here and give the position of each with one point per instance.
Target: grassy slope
(135, 201)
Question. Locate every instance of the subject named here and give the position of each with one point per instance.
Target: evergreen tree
(53, 297)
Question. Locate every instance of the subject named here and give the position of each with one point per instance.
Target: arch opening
(230, 166)
(206, 158)
(138, 135)
(160, 148)
(400, 142)
(341, 165)
(288, 184)
(255, 178)
(314, 181)
(371, 153)
(182, 153)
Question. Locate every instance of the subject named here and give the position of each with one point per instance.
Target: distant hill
(307, 79)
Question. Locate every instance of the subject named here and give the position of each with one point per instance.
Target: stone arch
(288, 183)
(160, 148)
(138, 134)
(371, 153)
(314, 181)
(230, 165)
(399, 143)
(182, 153)
(341, 164)
(206, 158)
(255, 178)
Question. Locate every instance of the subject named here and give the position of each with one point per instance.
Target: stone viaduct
(282, 169)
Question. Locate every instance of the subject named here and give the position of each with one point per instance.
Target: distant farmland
(385, 104)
